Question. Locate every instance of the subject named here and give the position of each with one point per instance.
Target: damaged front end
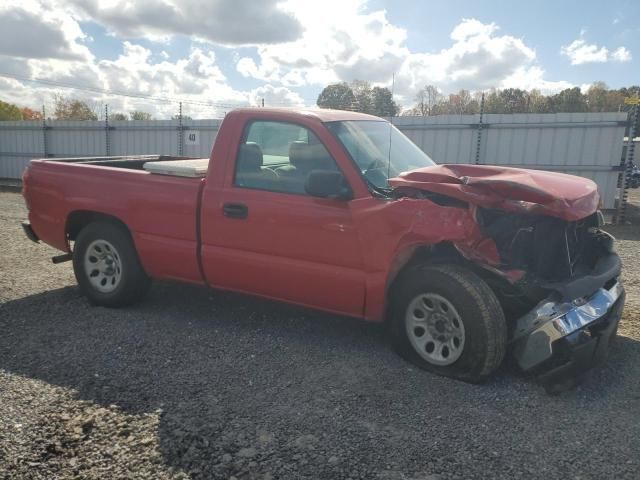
(552, 267)
(570, 273)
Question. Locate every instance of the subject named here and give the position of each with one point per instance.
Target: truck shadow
(228, 370)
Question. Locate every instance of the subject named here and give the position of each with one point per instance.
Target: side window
(279, 156)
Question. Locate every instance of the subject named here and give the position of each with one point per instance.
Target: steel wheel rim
(435, 329)
(103, 266)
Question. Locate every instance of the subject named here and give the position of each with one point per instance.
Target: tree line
(360, 97)
(67, 108)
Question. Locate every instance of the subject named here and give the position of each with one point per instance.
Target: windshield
(368, 143)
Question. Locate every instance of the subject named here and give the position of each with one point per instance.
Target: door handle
(235, 210)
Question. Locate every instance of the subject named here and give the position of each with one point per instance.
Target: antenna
(393, 85)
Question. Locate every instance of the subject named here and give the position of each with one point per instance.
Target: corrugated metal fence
(586, 144)
(22, 141)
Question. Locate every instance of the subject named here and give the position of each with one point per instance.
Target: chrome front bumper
(537, 334)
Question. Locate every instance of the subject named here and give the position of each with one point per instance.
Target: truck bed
(157, 164)
(159, 210)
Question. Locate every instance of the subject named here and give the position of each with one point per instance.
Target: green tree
(509, 100)
(569, 100)
(461, 103)
(538, 103)
(363, 96)
(383, 103)
(513, 100)
(338, 96)
(630, 91)
(9, 111)
(596, 97)
(72, 109)
(493, 102)
(118, 116)
(140, 115)
(615, 101)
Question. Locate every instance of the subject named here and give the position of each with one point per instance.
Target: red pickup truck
(339, 211)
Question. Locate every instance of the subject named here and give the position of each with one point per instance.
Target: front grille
(550, 249)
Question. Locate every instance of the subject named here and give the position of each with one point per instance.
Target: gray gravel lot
(200, 384)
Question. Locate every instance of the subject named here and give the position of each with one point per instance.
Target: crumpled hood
(513, 189)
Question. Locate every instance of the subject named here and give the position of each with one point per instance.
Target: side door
(264, 235)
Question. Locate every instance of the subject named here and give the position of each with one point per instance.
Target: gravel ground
(200, 384)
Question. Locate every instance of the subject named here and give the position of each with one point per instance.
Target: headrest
(307, 157)
(249, 157)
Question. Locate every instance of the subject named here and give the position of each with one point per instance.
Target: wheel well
(77, 220)
(440, 252)
(437, 253)
(513, 299)
(444, 252)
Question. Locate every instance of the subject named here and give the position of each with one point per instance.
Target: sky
(217, 54)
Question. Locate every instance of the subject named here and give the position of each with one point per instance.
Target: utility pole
(262, 102)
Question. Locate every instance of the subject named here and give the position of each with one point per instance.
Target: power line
(117, 93)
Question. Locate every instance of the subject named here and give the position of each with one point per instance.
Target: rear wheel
(107, 267)
(446, 319)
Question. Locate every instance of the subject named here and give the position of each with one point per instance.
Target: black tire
(485, 330)
(133, 282)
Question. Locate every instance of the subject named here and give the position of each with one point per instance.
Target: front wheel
(107, 267)
(446, 319)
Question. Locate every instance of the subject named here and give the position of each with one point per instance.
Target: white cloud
(134, 72)
(195, 78)
(478, 59)
(56, 55)
(580, 52)
(359, 43)
(529, 78)
(34, 30)
(333, 47)
(621, 54)
(220, 21)
(469, 28)
(275, 97)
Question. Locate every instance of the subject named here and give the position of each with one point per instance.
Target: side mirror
(328, 184)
